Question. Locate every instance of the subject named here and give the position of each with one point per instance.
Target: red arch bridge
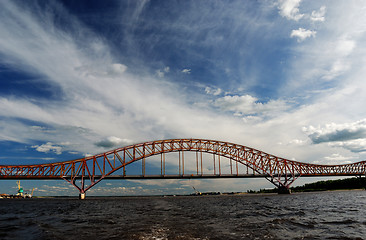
(192, 158)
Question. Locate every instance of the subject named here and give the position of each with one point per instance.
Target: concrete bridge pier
(284, 190)
(82, 196)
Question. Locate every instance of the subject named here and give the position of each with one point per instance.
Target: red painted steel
(281, 172)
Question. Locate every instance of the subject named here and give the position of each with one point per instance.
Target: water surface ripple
(325, 215)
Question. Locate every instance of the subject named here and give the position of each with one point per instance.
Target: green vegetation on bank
(340, 184)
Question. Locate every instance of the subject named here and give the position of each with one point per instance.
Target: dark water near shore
(326, 215)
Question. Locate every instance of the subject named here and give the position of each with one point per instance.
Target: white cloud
(213, 91)
(351, 136)
(117, 69)
(48, 147)
(247, 105)
(356, 146)
(298, 142)
(161, 72)
(336, 157)
(301, 34)
(332, 132)
(344, 46)
(335, 55)
(338, 67)
(318, 16)
(342, 50)
(113, 141)
(290, 9)
(251, 119)
(186, 71)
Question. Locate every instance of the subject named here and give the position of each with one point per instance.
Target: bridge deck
(187, 176)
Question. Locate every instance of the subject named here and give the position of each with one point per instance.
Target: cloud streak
(248, 105)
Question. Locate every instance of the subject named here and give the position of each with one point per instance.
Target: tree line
(328, 185)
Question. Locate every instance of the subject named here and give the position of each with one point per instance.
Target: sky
(79, 78)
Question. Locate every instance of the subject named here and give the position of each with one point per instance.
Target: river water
(323, 215)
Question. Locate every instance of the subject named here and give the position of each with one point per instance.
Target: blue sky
(81, 77)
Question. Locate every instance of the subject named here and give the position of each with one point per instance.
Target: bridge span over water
(179, 159)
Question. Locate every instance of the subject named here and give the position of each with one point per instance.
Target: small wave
(340, 222)
(293, 222)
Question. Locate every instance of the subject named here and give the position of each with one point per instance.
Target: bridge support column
(82, 196)
(284, 190)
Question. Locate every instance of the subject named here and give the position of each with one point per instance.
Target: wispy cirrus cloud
(248, 105)
(97, 93)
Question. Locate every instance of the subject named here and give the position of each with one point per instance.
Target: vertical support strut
(237, 169)
(214, 162)
(219, 166)
(197, 161)
(164, 164)
(143, 160)
(143, 167)
(231, 166)
(179, 163)
(82, 189)
(201, 165)
(124, 163)
(161, 164)
(183, 162)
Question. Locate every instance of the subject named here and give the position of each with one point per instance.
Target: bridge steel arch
(91, 170)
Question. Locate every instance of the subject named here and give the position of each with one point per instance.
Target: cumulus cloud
(290, 9)
(247, 105)
(351, 136)
(301, 34)
(318, 16)
(186, 71)
(213, 91)
(112, 141)
(48, 147)
(333, 132)
(356, 146)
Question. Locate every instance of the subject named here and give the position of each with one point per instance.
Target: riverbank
(355, 183)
